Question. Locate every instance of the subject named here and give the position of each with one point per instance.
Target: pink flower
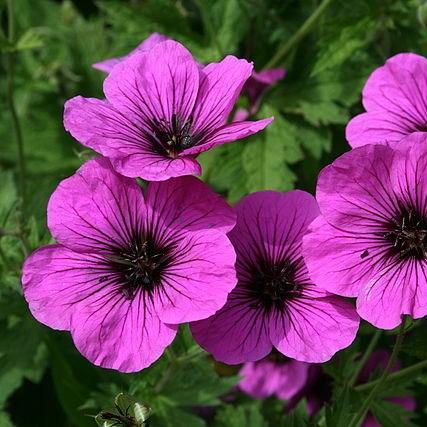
(161, 111)
(275, 375)
(107, 65)
(130, 266)
(255, 88)
(395, 100)
(274, 303)
(371, 240)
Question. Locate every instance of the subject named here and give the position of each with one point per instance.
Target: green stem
(300, 34)
(365, 357)
(209, 26)
(360, 415)
(394, 376)
(11, 102)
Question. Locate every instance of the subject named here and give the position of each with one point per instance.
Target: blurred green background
(47, 48)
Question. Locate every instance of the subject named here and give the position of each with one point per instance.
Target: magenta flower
(275, 375)
(107, 65)
(130, 266)
(395, 100)
(255, 88)
(371, 240)
(274, 303)
(161, 111)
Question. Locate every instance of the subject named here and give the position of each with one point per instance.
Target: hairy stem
(305, 28)
(365, 357)
(360, 415)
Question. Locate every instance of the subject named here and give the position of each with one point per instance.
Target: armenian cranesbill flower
(395, 101)
(130, 266)
(371, 240)
(274, 303)
(161, 110)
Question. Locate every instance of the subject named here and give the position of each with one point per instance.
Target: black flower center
(408, 235)
(140, 266)
(421, 127)
(274, 283)
(172, 138)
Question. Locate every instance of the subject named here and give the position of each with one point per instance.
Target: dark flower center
(172, 138)
(408, 235)
(274, 284)
(140, 266)
(421, 127)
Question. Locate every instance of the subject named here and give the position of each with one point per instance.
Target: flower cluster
(263, 283)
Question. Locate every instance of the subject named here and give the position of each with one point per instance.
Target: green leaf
(31, 39)
(390, 414)
(22, 353)
(238, 416)
(350, 40)
(341, 413)
(266, 157)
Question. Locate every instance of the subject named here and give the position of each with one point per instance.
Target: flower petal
(401, 288)
(147, 44)
(95, 209)
(220, 85)
(197, 284)
(154, 85)
(235, 334)
(55, 279)
(313, 329)
(187, 204)
(113, 332)
(229, 133)
(340, 260)
(378, 127)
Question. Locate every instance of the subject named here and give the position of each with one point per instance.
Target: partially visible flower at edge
(394, 97)
(161, 111)
(370, 240)
(275, 304)
(130, 266)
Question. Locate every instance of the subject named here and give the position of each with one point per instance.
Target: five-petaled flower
(161, 110)
(275, 304)
(371, 240)
(129, 266)
(395, 100)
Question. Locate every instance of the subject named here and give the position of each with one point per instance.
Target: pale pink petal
(95, 209)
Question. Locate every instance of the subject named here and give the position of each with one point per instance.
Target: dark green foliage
(54, 45)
